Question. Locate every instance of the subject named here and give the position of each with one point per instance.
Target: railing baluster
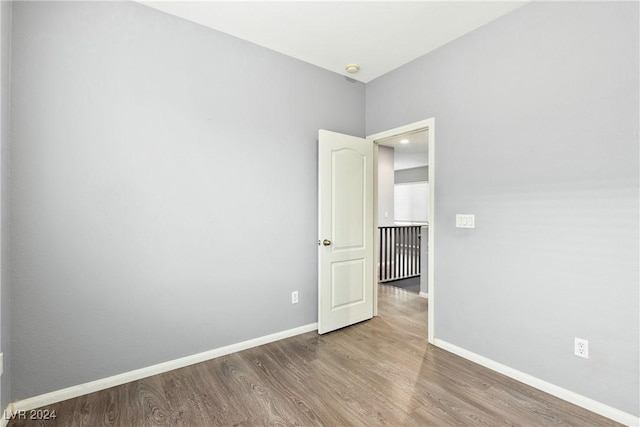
(413, 250)
(414, 244)
(410, 251)
(379, 254)
(404, 252)
(387, 248)
(386, 254)
(396, 265)
(399, 252)
(416, 253)
(403, 242)
(399, 249)
(418, 246)
(390, 245)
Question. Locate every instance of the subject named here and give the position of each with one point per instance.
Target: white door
(346, 240)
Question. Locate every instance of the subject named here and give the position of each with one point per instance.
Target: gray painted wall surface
(5, 114)
(385, 186)
(543, 105)
(424, 259)
(131, 244)
(412, 175)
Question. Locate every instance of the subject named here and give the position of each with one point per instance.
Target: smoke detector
(352, 68)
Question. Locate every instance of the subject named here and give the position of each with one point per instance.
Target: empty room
(189, 213)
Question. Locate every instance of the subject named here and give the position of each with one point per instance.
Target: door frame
(429, 126)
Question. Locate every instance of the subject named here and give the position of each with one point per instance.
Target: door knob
(326, 242)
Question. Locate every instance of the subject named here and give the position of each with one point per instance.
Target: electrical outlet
(581, 348)
(294, 297)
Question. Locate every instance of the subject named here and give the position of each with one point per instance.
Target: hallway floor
(411, 284)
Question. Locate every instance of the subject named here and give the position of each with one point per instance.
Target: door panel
(351, 273)
(345, 259)
(348, 189)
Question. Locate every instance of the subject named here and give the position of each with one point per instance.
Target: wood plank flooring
(379, 372)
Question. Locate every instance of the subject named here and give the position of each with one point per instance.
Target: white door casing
(429, 126)
(345, 236)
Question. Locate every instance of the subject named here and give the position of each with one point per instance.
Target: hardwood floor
(379, 372)
(411, 284)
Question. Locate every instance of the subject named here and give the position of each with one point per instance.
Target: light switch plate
(465, 221)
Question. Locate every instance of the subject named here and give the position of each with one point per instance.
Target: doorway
(403, 195)
(412, 216)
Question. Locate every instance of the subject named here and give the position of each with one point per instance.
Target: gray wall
(543, 105)
(424, 259)
(385, 185)
(5, 109)
(163, 189)
(412, 175)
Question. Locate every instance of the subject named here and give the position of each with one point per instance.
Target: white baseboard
(104, 383)
(423, 295)
(562, 393)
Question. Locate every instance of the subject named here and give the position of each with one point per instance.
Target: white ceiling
(412, 154)
(380, 36)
